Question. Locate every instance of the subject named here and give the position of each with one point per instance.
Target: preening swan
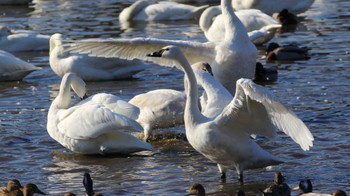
(22, 40)
(90, 68)
(271, 6)
(159, 108)
(225, 138)
(150, 10)
(232, 58)
(100, 124)
(13, 68)
(212, 24)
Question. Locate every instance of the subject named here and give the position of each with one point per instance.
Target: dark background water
(317, 90)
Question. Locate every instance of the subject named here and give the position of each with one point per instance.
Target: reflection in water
(317, 90)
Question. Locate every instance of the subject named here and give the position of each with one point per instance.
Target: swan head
(170, 52)
(77, 84)
(55, 40)
(202, 66)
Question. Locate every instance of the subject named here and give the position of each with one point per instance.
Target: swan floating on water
(232, 58)
(13, 68)
(225, 138)
(90, 68)
(100, 124)
(22, 40)
(150, 10)
(271, 6)
(212, 24)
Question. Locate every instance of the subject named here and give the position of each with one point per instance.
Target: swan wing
(140, 47)
(92, 120)
(257, 111)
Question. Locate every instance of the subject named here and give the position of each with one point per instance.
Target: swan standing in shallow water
(148, 10)
(22, 40)
(232, 58)
(90, 68)
(225, 138)
(13, 68)
(271, 6)
(212, 24)
(98, 125)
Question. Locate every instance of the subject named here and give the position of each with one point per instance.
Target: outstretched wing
(92, 120)
(140, 47)
(256, 111)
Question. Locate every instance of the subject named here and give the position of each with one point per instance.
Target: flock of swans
(219, 124)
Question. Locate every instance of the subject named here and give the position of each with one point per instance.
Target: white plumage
(13, 68)
(225, 138)
(232, 58)
(100, 124)
(90, 68)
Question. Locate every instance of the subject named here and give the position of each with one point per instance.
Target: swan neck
(63, 100)
(233, 26)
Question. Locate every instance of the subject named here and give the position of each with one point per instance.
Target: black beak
(156, 54)
(84, 97)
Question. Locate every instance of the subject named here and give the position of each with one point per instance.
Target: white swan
(232, 58)
(22, 40)
(97, 125)
(212, 24)
(13, 68)
(90, 68)
(150, 10)
(225, 138)
(271, 6)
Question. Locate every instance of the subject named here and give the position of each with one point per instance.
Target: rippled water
(317, 90)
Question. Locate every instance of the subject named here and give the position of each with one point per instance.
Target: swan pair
(231, 58)
(260, 26)
(90, 68)
(13, 68)
(100, 124)
(151, 10)
(272, 6)
(22, 40)
(225, 137)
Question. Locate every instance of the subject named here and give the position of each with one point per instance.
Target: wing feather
(257, 111)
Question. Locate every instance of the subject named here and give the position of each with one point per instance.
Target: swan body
(271, 6)
(97, 125)
(159, 108)
(148, 10)
(90, 68)
(211, 23)
(13, 68)
(232, 58)
(22, 40)
(225, 138)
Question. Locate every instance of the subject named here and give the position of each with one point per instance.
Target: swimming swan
(90, 68)
(13, 68)
(271, 6)
(98, 125)
(148, 10)
(22, 40)
(211, 23)
(225, 138)
(232, 58)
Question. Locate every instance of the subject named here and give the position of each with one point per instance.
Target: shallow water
(317, 90)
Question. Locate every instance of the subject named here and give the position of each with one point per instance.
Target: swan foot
(223, 177)
(240, 179)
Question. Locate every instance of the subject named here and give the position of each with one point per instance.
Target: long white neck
(63, 99)
(233, 26)
(207, 16)
(192, 113)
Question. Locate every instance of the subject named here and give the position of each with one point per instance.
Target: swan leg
(240, 178)
(222, 172)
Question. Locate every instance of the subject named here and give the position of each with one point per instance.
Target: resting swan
(211, 23)
(98, 125)
(225, 138)
(271, 6)
(13, 68)
(90, 68)
(22, 40)
(150, 10)
(232, 58)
